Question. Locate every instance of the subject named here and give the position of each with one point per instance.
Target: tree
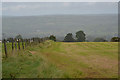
(18, 37)
(115, 39)
(52, 37)
(69, 38)
(10, 39)
(35, 39)
(100, 40)
(80, 35)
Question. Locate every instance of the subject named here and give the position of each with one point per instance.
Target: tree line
(18, 40)
(81, 37)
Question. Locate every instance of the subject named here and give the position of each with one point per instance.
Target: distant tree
(115, 39)
(87, 41)
(3, 36)
(52, 37)
(46, 38)
(80, 35)
(100, 40)
(10, 39)
(69, 38)
(90, 38)
(35, 39)
(18, 37)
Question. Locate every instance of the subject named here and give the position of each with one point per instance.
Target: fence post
(5, 48)
(23, 43)
(19, 44)
(39, 40)
(29, 42)
(12, 44)
(15, 44)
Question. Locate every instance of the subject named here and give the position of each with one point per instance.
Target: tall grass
(23, 64)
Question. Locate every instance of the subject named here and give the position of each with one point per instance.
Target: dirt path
(32, 52)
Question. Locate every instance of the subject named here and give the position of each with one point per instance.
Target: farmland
(63, 60)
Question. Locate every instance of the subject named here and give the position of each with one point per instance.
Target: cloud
(41, 8)
(20, 7)
(13, 8)
(91, 3)
(0, 9)
(27, 6)
(66, 4)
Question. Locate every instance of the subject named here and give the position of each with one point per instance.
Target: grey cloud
(42, 8)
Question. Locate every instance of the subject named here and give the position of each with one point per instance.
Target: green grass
(22, 64)
(63, 60)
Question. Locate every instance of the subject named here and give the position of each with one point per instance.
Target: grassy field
(63, 60)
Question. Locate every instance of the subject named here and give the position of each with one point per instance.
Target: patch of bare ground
(32, 52)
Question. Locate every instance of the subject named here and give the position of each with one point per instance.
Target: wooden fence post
(12, 44)
(5, 48)
(18, 44)
(29, 43)
(15, 45)
(39, 40)
(23, 43)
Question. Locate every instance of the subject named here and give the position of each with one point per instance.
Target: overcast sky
(56, 8)
(59, 0)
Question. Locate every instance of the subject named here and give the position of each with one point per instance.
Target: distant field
(63, 60)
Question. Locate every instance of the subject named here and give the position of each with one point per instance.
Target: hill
(64, 60)
(94, 25)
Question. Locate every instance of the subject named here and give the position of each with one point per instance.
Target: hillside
(64, 60)
(95, 25)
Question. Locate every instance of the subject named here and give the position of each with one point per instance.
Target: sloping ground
(63, 60)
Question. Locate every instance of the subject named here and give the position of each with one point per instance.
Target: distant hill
(102, 25)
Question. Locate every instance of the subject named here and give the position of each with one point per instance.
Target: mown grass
(63, 60)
